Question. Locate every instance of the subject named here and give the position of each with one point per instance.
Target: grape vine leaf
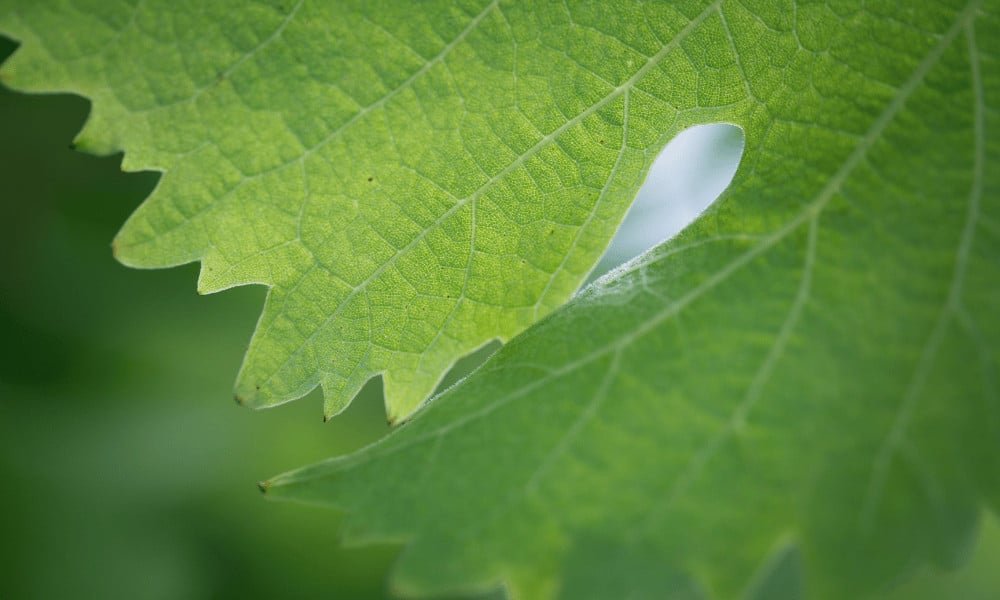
(811, 365)
(812, 362)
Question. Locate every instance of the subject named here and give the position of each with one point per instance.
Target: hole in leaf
(688, 175)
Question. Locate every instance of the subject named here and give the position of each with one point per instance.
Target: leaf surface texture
(812, 363)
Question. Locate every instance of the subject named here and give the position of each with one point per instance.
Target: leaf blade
(869, 441)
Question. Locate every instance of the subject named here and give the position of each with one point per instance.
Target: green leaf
(410, 184)
(811, 365)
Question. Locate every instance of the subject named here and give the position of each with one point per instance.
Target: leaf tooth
(338, 392)
(406, 390)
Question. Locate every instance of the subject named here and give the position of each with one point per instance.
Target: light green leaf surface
(410, 183)
(812, 364)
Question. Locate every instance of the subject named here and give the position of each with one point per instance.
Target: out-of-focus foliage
(127, 471)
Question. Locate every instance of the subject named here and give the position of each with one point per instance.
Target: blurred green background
(127, 470)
